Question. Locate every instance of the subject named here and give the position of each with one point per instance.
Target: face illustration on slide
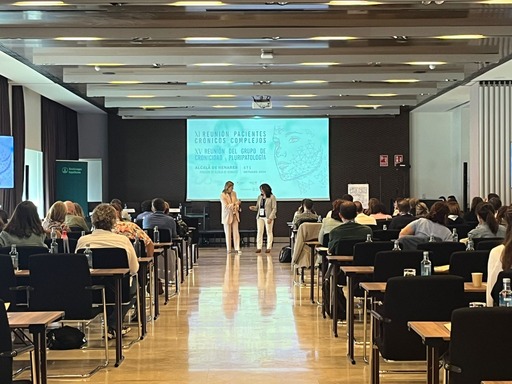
(296, 151)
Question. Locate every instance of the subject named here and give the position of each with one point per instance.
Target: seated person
(55, 218)
(455, 215)
(24, 228)
(72, 219)
(403, 217)
(487, 224)
(124, 214)
(132, 230)
(361, 218)
(377, 210)
(104, 218)
(305, 213)
(348, 229)
(420, 230)
(159, 218)
(421, 209)
(145, 206)
(470, 216)
(331, 221)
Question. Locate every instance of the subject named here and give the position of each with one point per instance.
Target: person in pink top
(230, 216)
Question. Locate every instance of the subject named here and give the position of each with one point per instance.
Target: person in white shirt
(361, 218)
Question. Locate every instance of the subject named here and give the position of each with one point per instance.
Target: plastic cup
(476, 278)
(409, 272)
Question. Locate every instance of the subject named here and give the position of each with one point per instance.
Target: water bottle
(455, 235)
(506, 294)
(369, 238)
(384, 227)
(156, 235)
(426, 265)
(54, 247)
(136, 245)
(319, 219)
(65, 241)
(396, 245)
(14, 257)
(470, 246)
(431, 239)
(82, 233)
(88, 254)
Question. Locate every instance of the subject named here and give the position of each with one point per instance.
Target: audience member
(132, 230)
(347, 197)
(159, 218)
(487, 224)
(500, 215)
(495, 202)
(104, 218)
(145, 207)
(124, 214)
(4, 218)
(377, 210)
(413, 202)
(24, 228)
(79, 211)
(420, 230)
(491, 196)
(404, 217)
(455, 215)
(56, 218)
(361, 218)
(72, 220)
(470, 216)
(331, 221)
(451, 198)
(305, 213)
(348, 229)
(500, 259)
(421, 210)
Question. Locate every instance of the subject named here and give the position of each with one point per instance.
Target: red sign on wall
(399, 159)
(383, 160)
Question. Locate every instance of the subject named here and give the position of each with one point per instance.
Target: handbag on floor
(285, 255)
(65, 337)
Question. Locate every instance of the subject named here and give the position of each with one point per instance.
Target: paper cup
(476, 278)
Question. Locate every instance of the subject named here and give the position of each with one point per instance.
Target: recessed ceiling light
(140, 96)
(78, 38)
(401, 81)
(125, 82)
(352, 2)
(368, 106)
(309, 81)
(105, 64)
(305, 95)
(197, 3)
(205, 38)
(212, 64)
(39, 3)
(297, 106)
(496, 2)
(382, 94)
(320, 64)
(222, 96)
(426, 63)
(460, 37)
(216, 82)
(223, 106)
(152, 106)
(333, 38)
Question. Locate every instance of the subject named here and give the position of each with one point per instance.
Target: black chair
(392, 263)
(24, 252)
(488, 244)
(165, 234)
(193, 225)
(364, 253)
(60, 244)
(387, 235)
(381, 222)
(7, 281)
(418, 298)
(498, 286)
(477, 240)
(62, 282)
(77, 234)
(462, 229)
(479, 345)
(464, 263)
(440, 252)
(7, 352)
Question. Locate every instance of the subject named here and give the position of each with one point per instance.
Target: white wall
(32, 119)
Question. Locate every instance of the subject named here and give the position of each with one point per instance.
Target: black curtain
(59, 130)
(5, 130)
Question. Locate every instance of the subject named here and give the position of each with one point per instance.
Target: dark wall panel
(147, 158)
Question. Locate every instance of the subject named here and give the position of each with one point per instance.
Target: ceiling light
(401, 81)
(333, 38)
(212, 64)
(320, 64)
(216, 82)
(426, 63)
(140, 96)
(105, 64)
(205, 38)
(496, 2)
(460, 37)
(309, 81)
(39, 3)
(221, 96)
(80, 38)
(374, 106)
(382, 94)
(223, 106)
(305, 95)
(296, 106)
(125, 82)
(262, 82)
(152, 106)
(352, 2)
(197, 3)
(267, 54)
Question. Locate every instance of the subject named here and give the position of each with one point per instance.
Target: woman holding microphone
(230, 216)
(266, 208)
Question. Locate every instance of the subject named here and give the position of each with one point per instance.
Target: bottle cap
(506, 280)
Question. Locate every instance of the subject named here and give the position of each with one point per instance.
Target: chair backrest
(24, 253)
(77, 234)
(346, 247)
(7, 280)
(488, 244)
(165, 235)
(143, 252)
(440, 252)
(498, 286)
(5, 346)
(477, 240)
(462, 229)
(364, 253)
(139, 222)
(325, 240)
(60, 243)
(59, 283)
(465, 262)
(418, 298)
(392, 263)
(381, 222)
(479, 345)
(387, 235)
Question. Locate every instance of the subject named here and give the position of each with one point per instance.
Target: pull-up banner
(71, 182)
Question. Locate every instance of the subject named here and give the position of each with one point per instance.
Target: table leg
(156, 281)
(143, 279)
(350, 319)
(39, 365)
(374, 358)
(365, 326)
(334, 302)
(432, 365)
(166, 277)
(118, 279)
(312, 289)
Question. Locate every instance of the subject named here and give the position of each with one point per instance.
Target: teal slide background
(291, 155)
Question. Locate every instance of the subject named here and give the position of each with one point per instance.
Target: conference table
(36, 323)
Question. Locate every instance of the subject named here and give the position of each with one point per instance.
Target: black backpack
(181, 228)
(65, 337)
(285, 255)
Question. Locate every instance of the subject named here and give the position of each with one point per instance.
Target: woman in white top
(230, 216)
(266, 211)
(500, 259)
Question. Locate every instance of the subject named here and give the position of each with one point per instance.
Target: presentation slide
(291, 155)
(6, 162)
